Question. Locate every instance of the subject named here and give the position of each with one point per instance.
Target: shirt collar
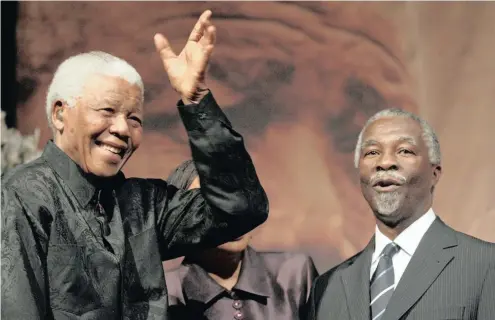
(199, 286)
(408, 240)
(81, 184)
(253, 277)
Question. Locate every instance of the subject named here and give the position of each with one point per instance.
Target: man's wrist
(193, 115)
(197, 96)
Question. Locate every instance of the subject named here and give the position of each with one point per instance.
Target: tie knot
(390, 249)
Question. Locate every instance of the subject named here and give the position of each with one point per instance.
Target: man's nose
(387, 161)
(120, 127)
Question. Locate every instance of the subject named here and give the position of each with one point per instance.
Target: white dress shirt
(408, 240)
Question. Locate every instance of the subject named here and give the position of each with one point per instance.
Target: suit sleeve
(311, 306)
(231, 200)
(310, 274)
(486, 306)
(318, 289)
(24, 294)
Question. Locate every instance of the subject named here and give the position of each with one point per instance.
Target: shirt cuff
(206, 109)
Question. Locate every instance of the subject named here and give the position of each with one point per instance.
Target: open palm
(186, 71)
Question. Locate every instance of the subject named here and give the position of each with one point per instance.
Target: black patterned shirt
(75, 246)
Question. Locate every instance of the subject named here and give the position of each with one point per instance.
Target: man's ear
(437, 172)
(58, 115)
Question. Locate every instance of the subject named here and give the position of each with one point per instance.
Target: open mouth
(387, 185)
(117, 150)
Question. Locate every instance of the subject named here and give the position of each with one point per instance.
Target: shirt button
(237, 304)
(238, 315)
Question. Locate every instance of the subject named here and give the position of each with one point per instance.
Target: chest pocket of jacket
(143, 271)
(447, 313)
(70, 288)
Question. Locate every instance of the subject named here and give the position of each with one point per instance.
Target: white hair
(429, 136)
(72, 75)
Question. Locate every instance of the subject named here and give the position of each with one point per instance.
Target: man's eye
(136, 122)
(107, 110)
(406, 151)
(371, 153)
(136, 119)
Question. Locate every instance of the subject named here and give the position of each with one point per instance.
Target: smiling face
(104, 128)
(396, 175)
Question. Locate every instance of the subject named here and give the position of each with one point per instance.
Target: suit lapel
(356, 280)
(429, 260)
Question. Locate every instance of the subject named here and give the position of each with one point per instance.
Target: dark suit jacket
(450, 276)
(271, 285)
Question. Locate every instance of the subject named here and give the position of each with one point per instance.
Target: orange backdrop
(298, 80)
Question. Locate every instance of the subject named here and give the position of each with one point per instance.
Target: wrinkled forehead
(393, 130)
(112, 90)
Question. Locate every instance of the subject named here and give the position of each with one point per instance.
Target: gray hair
(429, 134)
(72, 74)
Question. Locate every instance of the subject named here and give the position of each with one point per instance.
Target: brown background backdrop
(298, 81)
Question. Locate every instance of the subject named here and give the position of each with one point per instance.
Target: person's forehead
(393, 128)
(112, 90)
(106, 82)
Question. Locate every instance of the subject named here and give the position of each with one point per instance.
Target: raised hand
(186, 71)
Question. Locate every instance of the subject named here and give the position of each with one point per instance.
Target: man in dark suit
(415, 266)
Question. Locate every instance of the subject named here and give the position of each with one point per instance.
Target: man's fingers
(199, 27)
(163, 47)
(210, 35)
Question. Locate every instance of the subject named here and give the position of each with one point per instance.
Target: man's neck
(224, 267)
(393, 230)
(230, 281)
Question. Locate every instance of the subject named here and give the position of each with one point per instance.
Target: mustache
(383, 175)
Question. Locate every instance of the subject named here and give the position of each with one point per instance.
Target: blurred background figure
(17, 149)
(234, 281)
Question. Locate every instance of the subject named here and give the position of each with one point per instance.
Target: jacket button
(238, 315)
(237, 304)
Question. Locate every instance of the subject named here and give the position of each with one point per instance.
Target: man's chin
(106, 170)
(232, 247)
(110, 169)
(389, 218)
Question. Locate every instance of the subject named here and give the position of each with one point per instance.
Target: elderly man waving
(79, 240)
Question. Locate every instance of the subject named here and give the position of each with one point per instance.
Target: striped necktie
(382, 282)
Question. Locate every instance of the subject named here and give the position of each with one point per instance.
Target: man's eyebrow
(368, 143)
(110, 100)
(371, 142)
(410, 140)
